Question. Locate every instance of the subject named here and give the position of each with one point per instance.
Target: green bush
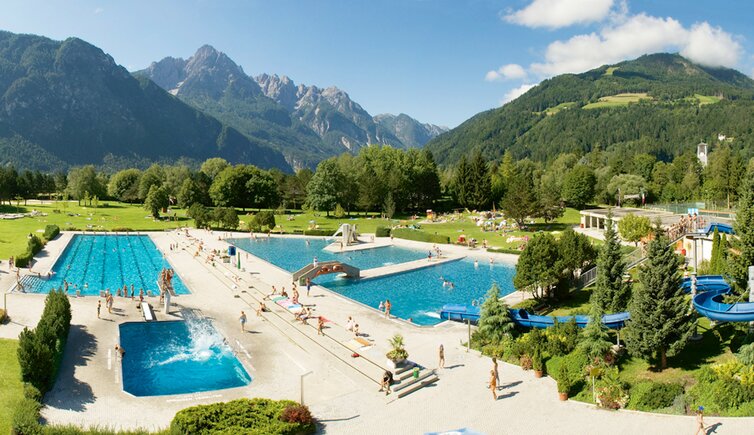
(263, 219)
(650, 396)
(382, 232)
(40, 350)
(261, 416)
(35, 244)
(23, 260)
(32, 392)
(26, 418)
(720, 394)
(51, 231)
(318, 232)
(419, 236)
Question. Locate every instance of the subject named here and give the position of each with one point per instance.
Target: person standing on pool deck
(99, 307)
(388, 305)
(308, 286)
(495, 370)
(242, 319)
(493, 384)
(442, 357)
(700, 421)
(320, 325)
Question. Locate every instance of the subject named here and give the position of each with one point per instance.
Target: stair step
(412, 381)
(405, 368)
(418, 386)
(406, 374)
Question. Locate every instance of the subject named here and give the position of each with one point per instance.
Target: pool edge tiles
(178, 357)
(136, 257)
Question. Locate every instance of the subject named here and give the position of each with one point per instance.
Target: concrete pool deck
(340, 393)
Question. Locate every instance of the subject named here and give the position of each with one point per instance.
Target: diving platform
(310, 271)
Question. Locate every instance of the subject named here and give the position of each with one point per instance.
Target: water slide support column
(751, 293)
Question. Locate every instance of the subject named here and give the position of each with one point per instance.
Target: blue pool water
(418, 294)
(293, 253)
(177, 357)
(108, 261)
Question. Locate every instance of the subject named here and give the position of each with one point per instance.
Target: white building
(701, 153)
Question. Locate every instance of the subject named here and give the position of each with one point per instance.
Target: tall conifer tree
(611, 293)
(738, 265)
(660, 324)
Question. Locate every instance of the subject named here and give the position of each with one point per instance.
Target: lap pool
(417, 295)
(177, 357)
(91, 263)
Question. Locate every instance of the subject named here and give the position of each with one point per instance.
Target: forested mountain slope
(68, 103)
(659, 104)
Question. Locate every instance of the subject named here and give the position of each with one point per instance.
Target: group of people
(686, 224)
(352, 326)
(385, 307)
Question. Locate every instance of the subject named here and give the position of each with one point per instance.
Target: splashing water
(204, 343)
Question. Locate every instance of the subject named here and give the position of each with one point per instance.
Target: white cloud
(98, 11)
(560, 13)
(633, 36)
(516, 92)
(711, 46)
(511, 71)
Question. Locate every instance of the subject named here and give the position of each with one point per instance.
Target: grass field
(618, 100)
(11, 389)
(562, 106)
(13, 233)
(704, 99)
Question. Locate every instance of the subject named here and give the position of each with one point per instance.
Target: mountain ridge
(72, 103)
(581, 112)
(319, 122)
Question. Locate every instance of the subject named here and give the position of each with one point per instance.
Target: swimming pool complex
(417, 294)
(177, 357)
(91, 263)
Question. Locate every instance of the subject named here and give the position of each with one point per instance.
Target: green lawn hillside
(656, 104)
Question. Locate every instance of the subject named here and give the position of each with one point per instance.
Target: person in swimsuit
(442, 357)
(493, 384)
(242, 319)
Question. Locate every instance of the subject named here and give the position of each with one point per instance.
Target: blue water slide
(708, 302)
(462, 313)
(721, 228)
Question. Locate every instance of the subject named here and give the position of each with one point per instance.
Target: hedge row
(382, 232)
(419, 236)
(51, 231)
(35, 244)
(318, 232)
(505, 251)
(263, 416)
(40, 350)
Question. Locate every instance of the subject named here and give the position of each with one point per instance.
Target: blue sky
(440, 61)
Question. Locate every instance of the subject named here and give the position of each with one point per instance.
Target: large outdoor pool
(91, 263)
(417, 295)
(293, 253)
(177, 357)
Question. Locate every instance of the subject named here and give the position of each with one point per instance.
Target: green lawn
(618, 100)
(704, 99)
(562, 106)
(11, 389)
(13, 233)
(115, 215)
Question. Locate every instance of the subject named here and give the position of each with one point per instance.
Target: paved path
(340, 391)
